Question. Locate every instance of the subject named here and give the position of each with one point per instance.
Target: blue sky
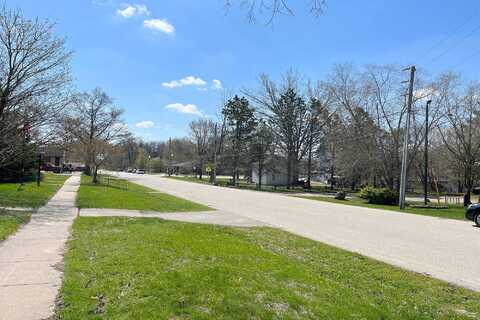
(159, 58)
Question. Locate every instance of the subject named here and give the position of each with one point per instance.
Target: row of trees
(348, 127)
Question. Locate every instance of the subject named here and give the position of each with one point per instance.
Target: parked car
(140, 171)
(472, 213)
(48, 167)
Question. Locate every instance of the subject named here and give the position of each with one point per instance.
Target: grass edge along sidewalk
(11, 221)
(121, 268)
(29, 195)
(453, 212)
(115, 193)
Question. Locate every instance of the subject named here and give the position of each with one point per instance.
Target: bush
(340, 195)
(379, 195)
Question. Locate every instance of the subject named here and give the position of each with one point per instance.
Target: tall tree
(240, 119)
(261, 148)
(34, 78)
(320, 113)
(95, 123)
(288, 116)
(201, 133)
(460, 132)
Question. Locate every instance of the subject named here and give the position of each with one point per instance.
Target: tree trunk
(309, 168)
(332, 173)
(260, 173)
(95, 173)
(289, 171)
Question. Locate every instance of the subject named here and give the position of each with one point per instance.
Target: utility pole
(214, 179)
(425, 182)
(309, 164)
(403, 175)
(170, 156)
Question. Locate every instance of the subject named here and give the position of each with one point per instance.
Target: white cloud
(425, 94)
(121, 128)
(217, 84)
(145, 124)
(131, 10)
(185, 108)
(101, 3)
(187, 81)
(161, 25)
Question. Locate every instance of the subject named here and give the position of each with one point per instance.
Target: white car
(140, 171)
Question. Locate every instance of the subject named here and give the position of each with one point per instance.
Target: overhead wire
(448, 36)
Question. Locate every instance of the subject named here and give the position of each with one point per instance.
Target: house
(272, 175)
(53, 155)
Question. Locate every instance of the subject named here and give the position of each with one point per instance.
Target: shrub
(379, 195)
(340, 195)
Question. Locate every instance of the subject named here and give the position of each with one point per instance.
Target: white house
(271, 176)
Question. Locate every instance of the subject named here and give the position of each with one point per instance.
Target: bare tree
(320, 113)
(202, 134)
(373, 101)
(34, 74)
(288, 117)
(261, 148)
(460, 131)
(274, 7)
(95, 125)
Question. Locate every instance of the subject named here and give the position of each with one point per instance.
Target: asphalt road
(442, 248)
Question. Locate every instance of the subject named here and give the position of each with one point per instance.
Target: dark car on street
(472, 213)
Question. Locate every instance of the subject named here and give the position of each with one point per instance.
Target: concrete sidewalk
(222, 218)
(31, 260)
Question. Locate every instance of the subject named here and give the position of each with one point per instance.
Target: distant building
(272, 176)
(53, 155)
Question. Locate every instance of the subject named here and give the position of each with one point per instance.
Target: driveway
(442, 248)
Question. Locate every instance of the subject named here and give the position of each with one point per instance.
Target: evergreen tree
(240, 119)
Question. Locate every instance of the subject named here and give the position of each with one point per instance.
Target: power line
(466, 59)
(448, 36)
(454, 45)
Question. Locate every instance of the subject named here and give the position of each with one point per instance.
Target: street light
(425, 182)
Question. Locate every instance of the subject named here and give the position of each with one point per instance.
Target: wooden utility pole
(214, 174)
(170, 156)
(425, 182)
(309, 165)
(403, 175)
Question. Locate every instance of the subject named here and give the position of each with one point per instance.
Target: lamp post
(425, 182)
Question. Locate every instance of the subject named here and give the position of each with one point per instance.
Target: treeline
(347, 128)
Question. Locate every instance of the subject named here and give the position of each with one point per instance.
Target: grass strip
(113, 193)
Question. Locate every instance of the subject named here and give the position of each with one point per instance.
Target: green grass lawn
(10, 222)
(121, 268)
(453, 212)
(29, 195)
(121, 194)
